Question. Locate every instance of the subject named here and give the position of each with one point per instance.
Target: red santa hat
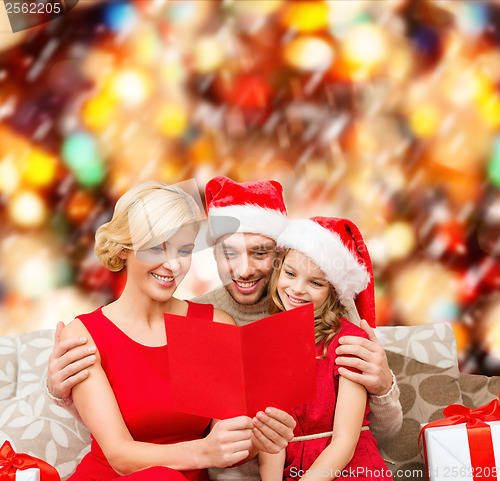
(255, 207)
(338, 249)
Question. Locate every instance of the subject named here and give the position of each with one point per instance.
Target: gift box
(465, 445)
(22, 467)
(30, 474)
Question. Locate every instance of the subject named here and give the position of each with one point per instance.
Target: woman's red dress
(139, 376)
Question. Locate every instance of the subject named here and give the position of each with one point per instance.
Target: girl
(321, 263)
(125, 401)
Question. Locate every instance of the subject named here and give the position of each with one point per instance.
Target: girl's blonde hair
(326, 317)
(145, 216)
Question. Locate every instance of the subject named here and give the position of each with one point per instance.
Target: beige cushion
(429, 343)
(478, 390)
(30, 421)
(425, 391)
(8, 368)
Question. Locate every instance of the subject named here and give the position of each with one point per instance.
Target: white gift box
(448, 456)
(30, 474)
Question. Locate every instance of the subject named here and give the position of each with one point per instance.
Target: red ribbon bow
(10, 462)
(478, 434)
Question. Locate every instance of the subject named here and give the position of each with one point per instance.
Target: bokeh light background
(386, 112)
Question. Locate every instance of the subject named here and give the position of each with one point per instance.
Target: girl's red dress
(317, 417)
(139, 376)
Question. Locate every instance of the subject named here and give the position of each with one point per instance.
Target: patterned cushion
(33, 351)
(30, 421)
(8, 368)
(430, 343)
(478, 390)
(425, 391)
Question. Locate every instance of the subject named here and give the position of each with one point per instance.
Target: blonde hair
(145, 216)
(326, 317)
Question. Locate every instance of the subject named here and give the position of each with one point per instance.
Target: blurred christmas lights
(385, 112)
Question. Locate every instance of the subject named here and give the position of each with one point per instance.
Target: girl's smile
(301, 282)
(296, 300)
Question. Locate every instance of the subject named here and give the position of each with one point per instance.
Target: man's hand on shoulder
(368, 357)
(69, 361)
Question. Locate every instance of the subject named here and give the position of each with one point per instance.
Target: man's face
(245, 263)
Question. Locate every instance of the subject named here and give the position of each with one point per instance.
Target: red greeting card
(221, 371)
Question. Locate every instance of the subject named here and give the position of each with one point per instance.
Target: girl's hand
(369, 358)
(273, 430)
(229, 442)
(271, 466)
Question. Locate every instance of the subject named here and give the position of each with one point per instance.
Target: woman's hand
(273, 430)
(68, 364)
(229, 442)
(369, 358)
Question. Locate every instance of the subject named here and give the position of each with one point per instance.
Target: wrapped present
(30, 474)
(465, 445)
(22, 467)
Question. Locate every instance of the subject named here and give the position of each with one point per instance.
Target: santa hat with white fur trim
(258, 207)
(338, 249)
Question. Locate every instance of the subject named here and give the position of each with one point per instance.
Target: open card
(221, 371)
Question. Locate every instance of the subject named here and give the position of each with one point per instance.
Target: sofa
(423, 358)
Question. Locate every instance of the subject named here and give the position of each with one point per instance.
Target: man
(244, 263)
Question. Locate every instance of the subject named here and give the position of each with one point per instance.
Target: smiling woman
(125, 399)
(158, 270)
(144, 218)
(123, 392)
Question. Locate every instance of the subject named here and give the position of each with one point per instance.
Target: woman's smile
(166, 281)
